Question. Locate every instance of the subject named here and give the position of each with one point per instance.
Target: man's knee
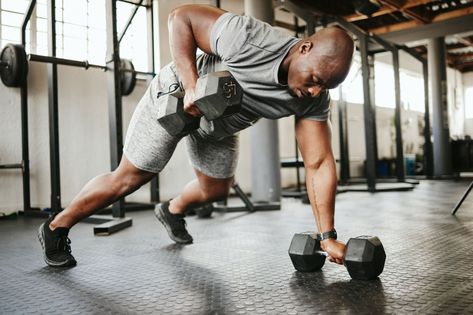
(216, 189)
(127, 178)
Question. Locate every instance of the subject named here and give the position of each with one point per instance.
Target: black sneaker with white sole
(56, 245)
(174, 223)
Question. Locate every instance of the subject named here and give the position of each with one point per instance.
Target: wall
(84, 137)
(83, 133)
(83, 130)
(468, 82)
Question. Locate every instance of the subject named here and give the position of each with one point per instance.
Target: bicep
(314, 140)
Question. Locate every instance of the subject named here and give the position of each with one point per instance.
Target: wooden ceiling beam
(396, 6)
(388, 10)
(412, 24)
(465, 65)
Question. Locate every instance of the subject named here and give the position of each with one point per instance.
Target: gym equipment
(127, 76)
(13, 65)
(217, 95)
(465, 194)
(305, 252)
(364, 256)
(172, 116)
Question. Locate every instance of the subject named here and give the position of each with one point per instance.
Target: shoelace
(181, 228)
(64, 244)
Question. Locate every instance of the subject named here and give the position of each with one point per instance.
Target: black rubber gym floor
(239, 263)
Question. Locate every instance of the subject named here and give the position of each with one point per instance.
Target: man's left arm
(314, 141)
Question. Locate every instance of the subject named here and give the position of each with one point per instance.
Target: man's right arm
(189, 29)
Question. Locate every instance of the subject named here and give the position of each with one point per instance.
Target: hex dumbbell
(217, 95)
(364, 257)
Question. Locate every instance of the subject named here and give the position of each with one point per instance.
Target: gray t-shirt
(252, 52)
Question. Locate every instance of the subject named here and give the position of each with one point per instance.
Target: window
(412, 92)
(384, 95)
(469, 103)
(134, 44)
(352, 87)
(412, 87)
(12, 13)
(80, 29)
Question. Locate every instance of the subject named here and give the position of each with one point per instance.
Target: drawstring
(174, 87)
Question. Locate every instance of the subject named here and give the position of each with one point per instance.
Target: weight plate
(128, 77)
(15, 65)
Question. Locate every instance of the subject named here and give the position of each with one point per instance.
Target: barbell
(14, 67)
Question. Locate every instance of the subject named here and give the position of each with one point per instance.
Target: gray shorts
(149, 147)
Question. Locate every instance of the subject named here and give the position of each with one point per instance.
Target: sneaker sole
(46, 260)
(159, 215)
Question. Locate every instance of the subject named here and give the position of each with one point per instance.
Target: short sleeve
(228, 35)
(319, 110)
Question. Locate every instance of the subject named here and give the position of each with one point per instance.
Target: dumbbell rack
(459, 203)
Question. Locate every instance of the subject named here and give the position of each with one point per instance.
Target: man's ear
(305, 47)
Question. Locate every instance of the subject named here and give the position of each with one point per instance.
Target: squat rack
(24, 165)
(114, 104)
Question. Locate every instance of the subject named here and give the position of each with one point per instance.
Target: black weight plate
(15, 73)
(128, 77)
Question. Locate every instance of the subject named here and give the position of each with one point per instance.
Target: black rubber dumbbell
(172, 116)
(364, 257)
(217, 95)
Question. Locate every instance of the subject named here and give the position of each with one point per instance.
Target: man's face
(308, 75)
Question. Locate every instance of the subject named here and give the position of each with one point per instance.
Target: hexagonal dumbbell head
(305, 252)
(218, 94)
(365, 257)
(173, 118)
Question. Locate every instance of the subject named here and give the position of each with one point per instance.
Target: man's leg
(202, 190)
(102, 191)
(98, 193)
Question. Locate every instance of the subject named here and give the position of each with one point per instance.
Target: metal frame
(463, 197)
(24, 122)
(130, 19)
(134, 3)
(53, 112)
(114, 119)
(248, 204)
(428, 150)
(364, 40)
(343, 138)
(154, 184)
(397, 112)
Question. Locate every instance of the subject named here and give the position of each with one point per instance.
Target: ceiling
(406, 22)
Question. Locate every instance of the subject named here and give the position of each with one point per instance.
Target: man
(280, 76)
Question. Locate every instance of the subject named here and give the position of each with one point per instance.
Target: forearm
(321, 185)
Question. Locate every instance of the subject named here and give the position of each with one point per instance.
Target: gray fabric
(252, 51)
(149, 147)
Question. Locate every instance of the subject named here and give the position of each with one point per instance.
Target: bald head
(318, 62)
(334, 47)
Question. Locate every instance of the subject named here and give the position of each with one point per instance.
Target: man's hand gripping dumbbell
(216, 95)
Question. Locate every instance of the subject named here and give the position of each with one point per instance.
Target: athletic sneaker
(174, 223)
(56, 245)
